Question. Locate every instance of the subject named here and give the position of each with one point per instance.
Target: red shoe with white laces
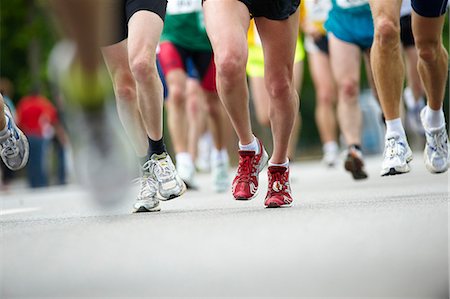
(279, 192)
(245, 184)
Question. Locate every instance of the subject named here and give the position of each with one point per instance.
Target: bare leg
(230, 53)
(142, 57)
(433, 57)
(278, 40)
(196, 114)
(116, 58)
(387, 63)
(412, 74)
(345, 63)
(176, 112)
(321, 73)
(298, 79)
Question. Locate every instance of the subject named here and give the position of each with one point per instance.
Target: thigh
(427, 30)
(116, 59)
(144, 31)
(321, 73)
(345, 60)
(382, 9)
(227, 24)
(279, 40)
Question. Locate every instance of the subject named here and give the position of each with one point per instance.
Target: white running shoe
(14, 148)
(397, 155)
(221, 179)
(330, 158)
(205, 146)
(146, 199)
(186, 171)
(436, 154)
(170, 185)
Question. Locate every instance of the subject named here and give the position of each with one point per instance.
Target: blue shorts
(354, 28)
(429, 8)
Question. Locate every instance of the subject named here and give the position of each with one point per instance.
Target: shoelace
(436, 143)
(393, 148)
(10, 148)
(245, 168)
(148, 186)
(282, 179)
(161, 168)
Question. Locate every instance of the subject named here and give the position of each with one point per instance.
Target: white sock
(434, 118)
(330, 146)
(219, 155)
(395, 127)
(184, 158)
(252, 146)
(5, 129)
(285, 164)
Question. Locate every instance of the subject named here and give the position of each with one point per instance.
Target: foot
(330, 158)
(14, 148)
(436, 154)
(397, 156)
(245, 184)
(186, 171)
(279, 191)
(170, 185)
(146, 199)
(220, 176)
(354, 163)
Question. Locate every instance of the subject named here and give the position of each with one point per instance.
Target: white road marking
(17, 211)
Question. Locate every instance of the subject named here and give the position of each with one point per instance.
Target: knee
(387, 31)
(143, 70)
(325, 98)
(176, 95)
(125, 89)
(428, 50)
(279, 88)
(230, 65)
(349, 89)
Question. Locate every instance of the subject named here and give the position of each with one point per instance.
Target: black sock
(156, 147)
(357, 146)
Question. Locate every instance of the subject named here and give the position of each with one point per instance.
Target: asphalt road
(383, 237)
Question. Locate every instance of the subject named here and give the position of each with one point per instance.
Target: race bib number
(175, 7)
(351, 3)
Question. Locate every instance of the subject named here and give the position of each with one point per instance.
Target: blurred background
(27, 37)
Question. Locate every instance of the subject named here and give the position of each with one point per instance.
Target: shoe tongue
(392, 135)
(281, 169)
(158, 156)
(247, 153)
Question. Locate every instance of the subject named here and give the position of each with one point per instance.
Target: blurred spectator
(38, 118)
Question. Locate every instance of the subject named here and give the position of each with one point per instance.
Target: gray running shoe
(14, 148)
(170, 185)
(146, 199)
(436, 154)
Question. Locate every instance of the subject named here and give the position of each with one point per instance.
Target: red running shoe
(279, 192)
(245, 184)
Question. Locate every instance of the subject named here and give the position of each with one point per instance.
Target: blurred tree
(25, 42)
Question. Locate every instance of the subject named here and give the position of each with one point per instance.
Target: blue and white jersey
(351, 6)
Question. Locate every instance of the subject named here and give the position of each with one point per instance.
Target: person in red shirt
(38, 118)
